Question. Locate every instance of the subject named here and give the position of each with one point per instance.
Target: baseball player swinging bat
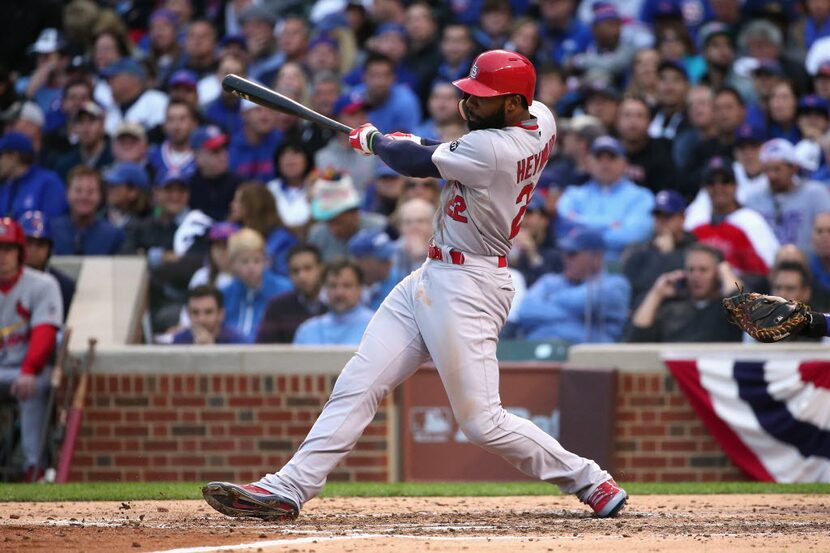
(73, 424)
(258, 94)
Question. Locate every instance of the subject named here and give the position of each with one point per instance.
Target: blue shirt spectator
(245, 306)
(99, 238)
(561, 39)
(251, 150)
(394, 106)
(226, 335)
(373, 250)
(27, 187)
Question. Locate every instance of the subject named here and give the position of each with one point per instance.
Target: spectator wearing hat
(383, 194)
(534, 251)
(216, 267)
(39, 246)
(789, 204)
(132, 101)
(82, 231)
(24, 185)
(609, 203)
(374, 251)
(45, 85)
(175, 155)
(715, 43)
(183, 86)
(93, 147)
(457, 50)
(563, 34)
(582, 304)
(392, 105)
(672, 88)
(813, 119)
(690, 13)
(127, 196)
(286, 312)
(650, 161)
(334, 206)
(442, 108)
(251, 149)
(293, 164)
(323, 55)
(765, 76)
(213, 185)
(130, 145)
(257, 24)
(602, 100)
(642, 263)
(744, 238)
(389, 40)
(685, 305)
(338, 155)
(347, 318)
(764, 40)
(28, 119)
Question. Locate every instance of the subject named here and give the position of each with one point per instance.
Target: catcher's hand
(767, 318)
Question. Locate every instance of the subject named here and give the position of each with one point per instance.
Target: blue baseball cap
(124, 65)
(813, 103)
(372, 243)
(183, 77)
(391, 28)
(385, 171)
(607, 144)
(537, 202)
(129, 173)
(222, 230)
(210, 137)
(718, 165)
(237, 39)
(16, 142)
(322, 38)
(348, 104)
(582, 239)
(669, 202)
(604, 11)
(667, 9)
(674, 66)
(749, 134)
(35, 224)
(170, 176)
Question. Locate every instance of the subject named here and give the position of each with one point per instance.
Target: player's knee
(480, 430)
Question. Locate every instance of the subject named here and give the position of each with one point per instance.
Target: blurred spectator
(183, 86)
(572, 166)
(789, 204)
(93, 148)
(130, 144)
(820, 263)
(783, 103)
(700, 106)
(175, 154)
(670, 118)
(24, 185)
(674, 43)
(257, 23)
(254, 207)
(82, 232)
(763, 40)
(609, 203)
(442, 107)
(335, 206)
(423, 54)
(392, 105)
(644, 76)
(414, 226)
(602, 101)
(685, 305)
(563, 35)
(551, 87)
(45, 84)
(347, 318)
(199, 48)
(583, 304)
(128, 193)
(426, 189)
(715, 43)
(382, 195)
(813, 123)
(132, 101)
(373, 251)
(534, 251)
(743, 237)
(251, 149)
(650, 161)
(163, 49)
(39, 245)
(217, 267)
(791, 281)
(338, 155)
(293, 38)
(207, 319)
(223, 110)
(288, 311)
(494, 24)
(76, 93)
(323, 55)
(389, 40)
(253, 285)
(293, 163)
(457, 50)
(213, 185)
(644, 262)
(27, 119)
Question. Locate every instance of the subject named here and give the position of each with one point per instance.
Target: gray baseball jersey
(34, 300)
(491, 175)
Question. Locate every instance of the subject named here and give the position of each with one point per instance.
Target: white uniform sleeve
(47, 305)
(470, 160)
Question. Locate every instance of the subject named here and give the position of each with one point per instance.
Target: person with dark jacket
(39, 243)
(650, 162)
(213, 186)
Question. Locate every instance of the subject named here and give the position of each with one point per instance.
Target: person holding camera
(685, 305)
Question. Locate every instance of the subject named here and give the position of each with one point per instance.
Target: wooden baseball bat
(258, 94)
(73, 422)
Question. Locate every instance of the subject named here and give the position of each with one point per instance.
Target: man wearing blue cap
(127, 193)
(24, 185)
(582, 304)
(39, 244)
(813, 120)
(132, 100)
(373, 250)
(609, 203)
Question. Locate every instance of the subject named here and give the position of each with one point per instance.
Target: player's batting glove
(361, 138)
(404, 136)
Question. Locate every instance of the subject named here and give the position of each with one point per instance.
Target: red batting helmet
(12, 233)
(500, 72)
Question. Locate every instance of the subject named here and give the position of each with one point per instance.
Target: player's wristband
(817, 327)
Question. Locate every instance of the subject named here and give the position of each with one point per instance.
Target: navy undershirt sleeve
(406, 157)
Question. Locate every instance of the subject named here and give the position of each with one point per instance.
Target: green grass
(163, 490)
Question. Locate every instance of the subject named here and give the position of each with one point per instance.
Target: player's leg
(390, 351)
(460, 328)
(32, 414)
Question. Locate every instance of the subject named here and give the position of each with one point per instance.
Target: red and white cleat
(606, 499)
(248, 500)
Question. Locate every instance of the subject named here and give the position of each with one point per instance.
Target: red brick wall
(198, 428)
(659, 437)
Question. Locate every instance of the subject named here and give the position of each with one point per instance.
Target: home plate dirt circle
(678, 523)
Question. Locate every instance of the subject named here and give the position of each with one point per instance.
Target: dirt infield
(733, 523)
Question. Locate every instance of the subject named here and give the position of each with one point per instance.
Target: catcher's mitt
(767, 318)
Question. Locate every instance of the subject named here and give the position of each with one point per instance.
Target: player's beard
(495, 121)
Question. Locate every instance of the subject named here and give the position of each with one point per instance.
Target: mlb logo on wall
(771, 417)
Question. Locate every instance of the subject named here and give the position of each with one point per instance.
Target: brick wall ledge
(647, 358)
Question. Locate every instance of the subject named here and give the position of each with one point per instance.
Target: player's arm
(405, 153)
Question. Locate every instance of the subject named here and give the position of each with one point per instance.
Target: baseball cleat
(248, 500)
(606, 499)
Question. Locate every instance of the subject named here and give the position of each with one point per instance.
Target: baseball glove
(767, 318)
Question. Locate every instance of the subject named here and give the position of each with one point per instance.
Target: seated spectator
(650, 162)
(791, 281)
(39, 243)
(609, 203)
(93, 148)
(217, 268)
(286, 312)
(29, 339)
(571, 166)
(27, 119)
(207, 319)
(257, 25)
(582, 304)
(685, 305)
(534, 251)
(744, 238)
(176, 153)
(394, 107)
(293, 163)
(24, 185)
(644, 262)
(414, 226)
(56, 128)
(253, 207)
(347, 318)
(251, 149)
(338, 155)
(442, 106)
(82, 232)
(213, 186)
(789, 204)
(373, 251)
(132, 100)
(335, 207)
(252, 285)
(383, 194)
(670, 118)
(129, 144)
(820, 263)
(127, 193)
(223, 108)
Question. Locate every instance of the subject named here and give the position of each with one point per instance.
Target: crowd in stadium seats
(692, 157)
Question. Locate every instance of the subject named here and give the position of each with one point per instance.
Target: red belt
(457, 257)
